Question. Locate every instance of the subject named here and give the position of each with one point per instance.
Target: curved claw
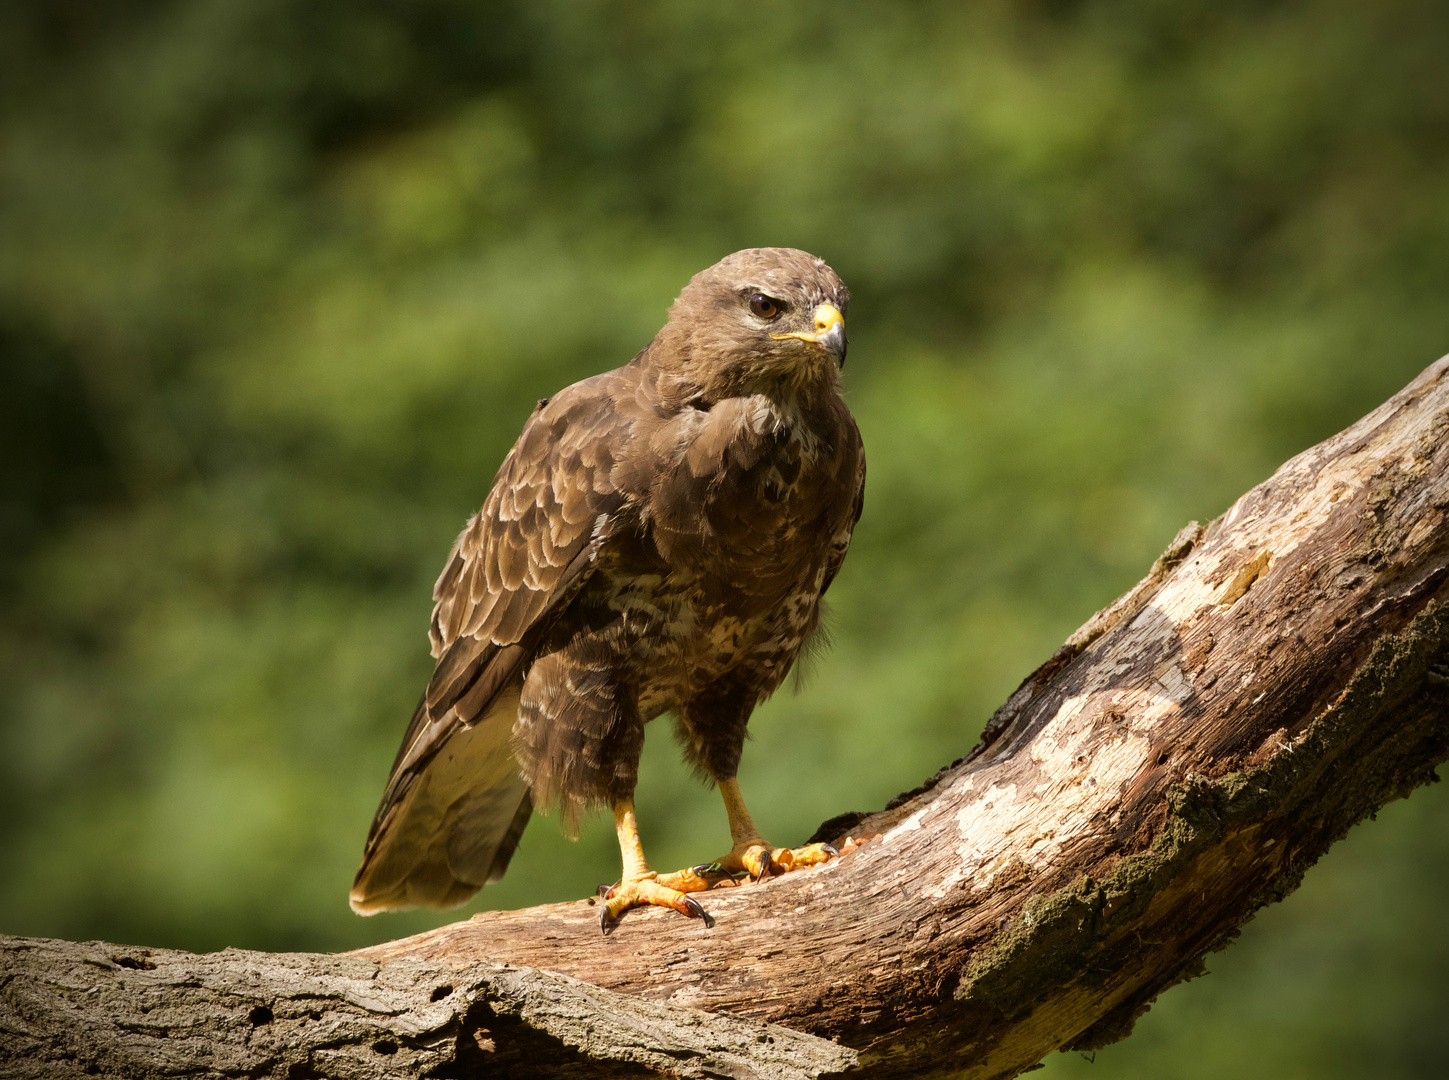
(753, 859)
(606, 923)
(830, 850)
(697, 912)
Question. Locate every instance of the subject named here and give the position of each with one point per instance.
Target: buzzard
(658, 540)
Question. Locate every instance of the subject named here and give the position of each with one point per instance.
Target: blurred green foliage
(280, 281)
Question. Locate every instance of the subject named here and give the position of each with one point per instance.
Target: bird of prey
(657, 541)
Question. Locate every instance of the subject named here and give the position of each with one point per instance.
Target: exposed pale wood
(1180, 762)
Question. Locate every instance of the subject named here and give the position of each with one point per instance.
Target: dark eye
(763, 306)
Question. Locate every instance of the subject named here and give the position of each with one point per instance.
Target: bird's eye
(763, 306)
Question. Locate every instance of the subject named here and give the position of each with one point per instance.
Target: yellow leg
(631, 848)
(640, 885)
(751, 852)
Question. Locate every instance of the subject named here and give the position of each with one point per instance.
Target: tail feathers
(455, 828)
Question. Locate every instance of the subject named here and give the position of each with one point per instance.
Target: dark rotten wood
(1179, 763)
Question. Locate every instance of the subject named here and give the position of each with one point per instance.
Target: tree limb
(111, 1010)
(1179, 763)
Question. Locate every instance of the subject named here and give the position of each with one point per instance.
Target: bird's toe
(696, 878)
(811, 855)
(759, 860)
(647, 891)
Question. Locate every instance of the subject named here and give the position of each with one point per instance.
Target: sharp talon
(829, 850)
(764, 869)
(706, 868)
(605, 923)
(605, 890)
(697, 912)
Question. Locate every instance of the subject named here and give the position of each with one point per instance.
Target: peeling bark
(1179, 763)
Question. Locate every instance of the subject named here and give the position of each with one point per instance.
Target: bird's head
(759, 321)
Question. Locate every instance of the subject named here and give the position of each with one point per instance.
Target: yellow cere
(827, 317)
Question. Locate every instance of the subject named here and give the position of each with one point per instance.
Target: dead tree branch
(110, 1010)
(1179, 763)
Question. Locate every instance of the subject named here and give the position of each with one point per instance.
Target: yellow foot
(648, 890)
(759, 860)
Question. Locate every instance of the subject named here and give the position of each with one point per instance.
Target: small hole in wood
(135, 963)
(385, 1046)
(439, 993)
(260, 1015)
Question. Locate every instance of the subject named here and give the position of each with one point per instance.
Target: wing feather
(439, 835)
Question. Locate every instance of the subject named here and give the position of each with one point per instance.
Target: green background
(280, 280)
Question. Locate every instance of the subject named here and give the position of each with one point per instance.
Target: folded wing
(455, 805)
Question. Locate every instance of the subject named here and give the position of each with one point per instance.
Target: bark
(1178, 764)
(94, 1009)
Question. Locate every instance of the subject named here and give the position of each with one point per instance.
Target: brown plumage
(657, 540)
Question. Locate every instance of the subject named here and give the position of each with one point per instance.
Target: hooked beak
(829, 332)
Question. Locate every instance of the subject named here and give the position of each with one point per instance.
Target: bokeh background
(280, 281)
